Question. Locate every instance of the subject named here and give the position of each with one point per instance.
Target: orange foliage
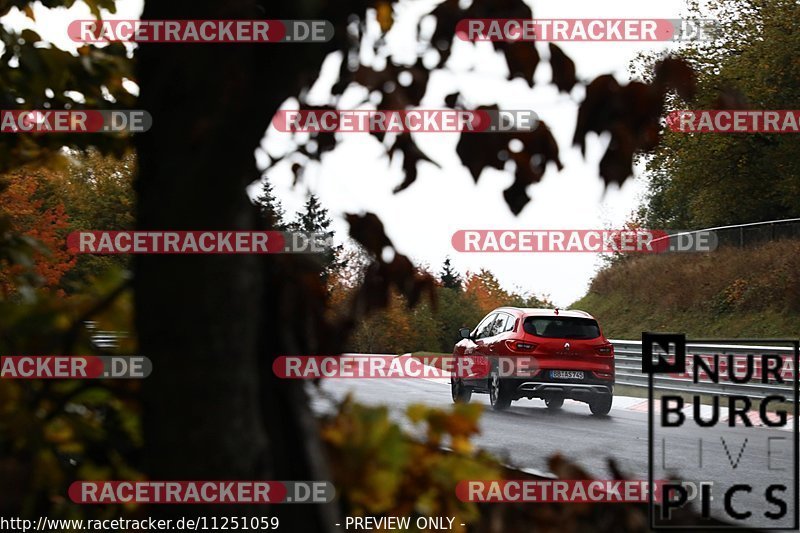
(486, 290)
(47, 224)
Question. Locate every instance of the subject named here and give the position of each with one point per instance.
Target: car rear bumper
(543, 389)
(546, 387)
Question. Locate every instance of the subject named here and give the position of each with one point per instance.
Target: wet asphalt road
(526, 434)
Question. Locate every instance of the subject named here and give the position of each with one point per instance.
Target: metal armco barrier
(742, 235)
(628, 359)
(104, 340)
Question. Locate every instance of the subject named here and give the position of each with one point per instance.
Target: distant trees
(485, 288)
(97, 191)
(85, 191)
(457, 309)
(312, 219)
(707, 179)
(401, 329)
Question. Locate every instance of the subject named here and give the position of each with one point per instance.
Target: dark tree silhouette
(270, 206)
(314, 219)
(449, 276)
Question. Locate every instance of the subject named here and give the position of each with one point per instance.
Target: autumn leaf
(384, 15)
(675, 73)
(447, 15)
(598, 108)
(451, 100)
(522, 59)
(563, 69)
(367, 229)
(412, 155)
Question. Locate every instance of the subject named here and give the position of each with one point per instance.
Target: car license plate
(566, 374)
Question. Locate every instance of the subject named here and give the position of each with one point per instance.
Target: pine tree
(314, 219)
(450, 277)
(270, 206)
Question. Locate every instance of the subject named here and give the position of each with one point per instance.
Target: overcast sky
(421, 220)
(357, 176)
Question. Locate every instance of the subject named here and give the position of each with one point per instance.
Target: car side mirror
(464, 332)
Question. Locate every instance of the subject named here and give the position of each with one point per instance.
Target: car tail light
(606, 350)
(520, 346)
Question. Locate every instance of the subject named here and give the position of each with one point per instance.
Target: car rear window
(561, 327)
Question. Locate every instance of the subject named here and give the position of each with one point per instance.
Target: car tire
(460, 392)
(554, 403)
(601, 405)
(499, 395)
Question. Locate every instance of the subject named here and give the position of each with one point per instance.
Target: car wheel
(498, 392)
(460, 392)
(601, 405)
(554, 403)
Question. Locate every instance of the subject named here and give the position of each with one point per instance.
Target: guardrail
(742, 235)
(628, 359)
(104, 340)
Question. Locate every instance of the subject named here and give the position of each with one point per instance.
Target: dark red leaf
(522, 59)
(480, 150)
(617, 163)
(447, 15)
(598, 108)
(367, 229)
(675, 73)
(451, 99)
(411, 156)
(563, 69)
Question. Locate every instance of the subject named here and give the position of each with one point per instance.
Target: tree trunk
(198, 316)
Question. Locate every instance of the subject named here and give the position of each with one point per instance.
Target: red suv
(564, 352)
